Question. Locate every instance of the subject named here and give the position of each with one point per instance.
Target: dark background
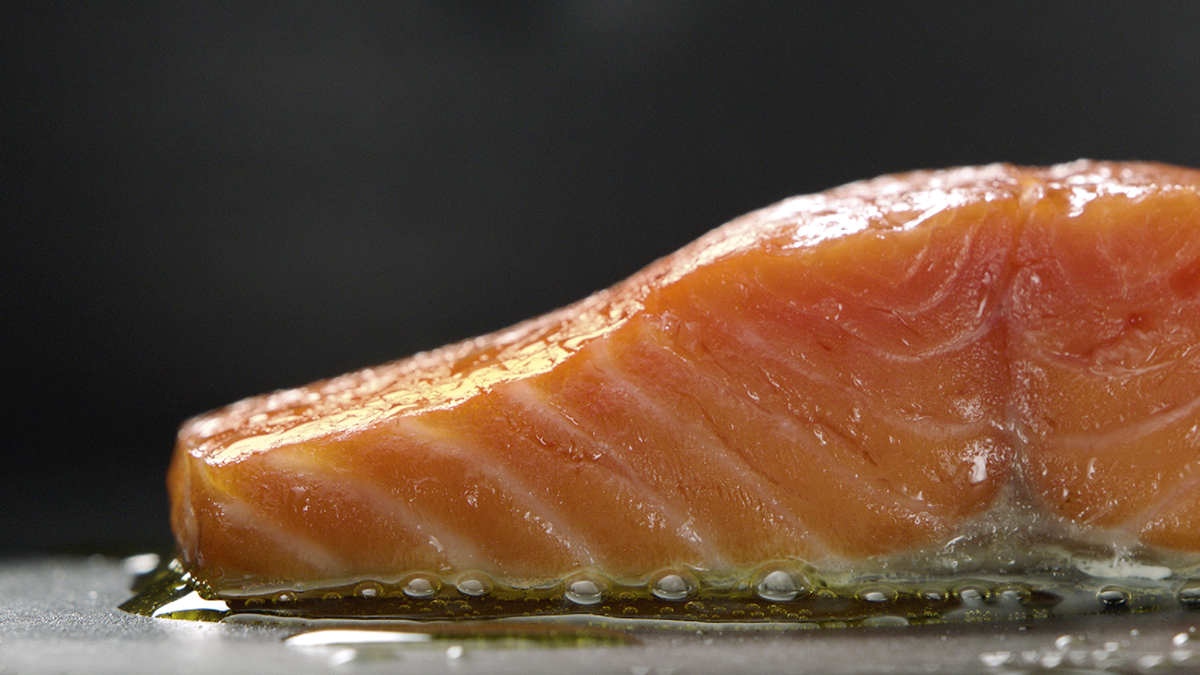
(205, 203)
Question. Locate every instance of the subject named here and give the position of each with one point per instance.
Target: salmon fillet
(868, 372)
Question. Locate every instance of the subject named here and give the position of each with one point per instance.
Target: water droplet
(781, 583)
(1182, 639)
(877, 594)
(1113, 596)
(420, 586)
(454, 652)
(673, 585)
(368, 589)
(474, 585)
(586, 590)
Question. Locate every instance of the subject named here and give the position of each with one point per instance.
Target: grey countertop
(59, 615)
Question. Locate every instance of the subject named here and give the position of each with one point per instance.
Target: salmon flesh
(876, 375)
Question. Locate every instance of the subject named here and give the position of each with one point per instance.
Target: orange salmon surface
(871, 371)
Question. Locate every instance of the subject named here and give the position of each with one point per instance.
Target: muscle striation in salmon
(865, 374)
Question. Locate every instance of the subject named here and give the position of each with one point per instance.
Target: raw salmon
(865, 373)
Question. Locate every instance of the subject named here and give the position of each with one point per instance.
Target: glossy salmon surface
(874, 371)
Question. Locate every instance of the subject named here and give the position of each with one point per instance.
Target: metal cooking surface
(60, 615)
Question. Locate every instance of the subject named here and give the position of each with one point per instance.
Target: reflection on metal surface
(192, 602)
(380, 626)
(56, 615)
(373, 641)
(1078, 654)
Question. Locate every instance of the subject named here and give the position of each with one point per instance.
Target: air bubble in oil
(1014, 595)
(1113, 596)
(877, 594)
(586, 590)
(781, 583)
(933, 595)
(420, 586)
(368, 589)
(1189, 594)
(972, 595)
(474, 585)
(673, 585)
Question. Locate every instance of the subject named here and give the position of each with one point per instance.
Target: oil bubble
(781, 583)
(933, 595)
(474, 585)
(368, 589)
(673, 585)
(1189, 595)
(972, 595)
(877, 594)
(1014, 595)
(1113, 596)
(420, 586)
(586, 590)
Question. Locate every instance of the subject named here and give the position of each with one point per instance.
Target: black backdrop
(205, 203)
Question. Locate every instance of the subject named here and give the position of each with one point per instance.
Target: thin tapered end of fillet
(867, 372)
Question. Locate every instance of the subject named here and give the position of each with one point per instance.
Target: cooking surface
(60, 615)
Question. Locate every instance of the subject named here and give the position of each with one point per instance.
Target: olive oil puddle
(589, 609)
